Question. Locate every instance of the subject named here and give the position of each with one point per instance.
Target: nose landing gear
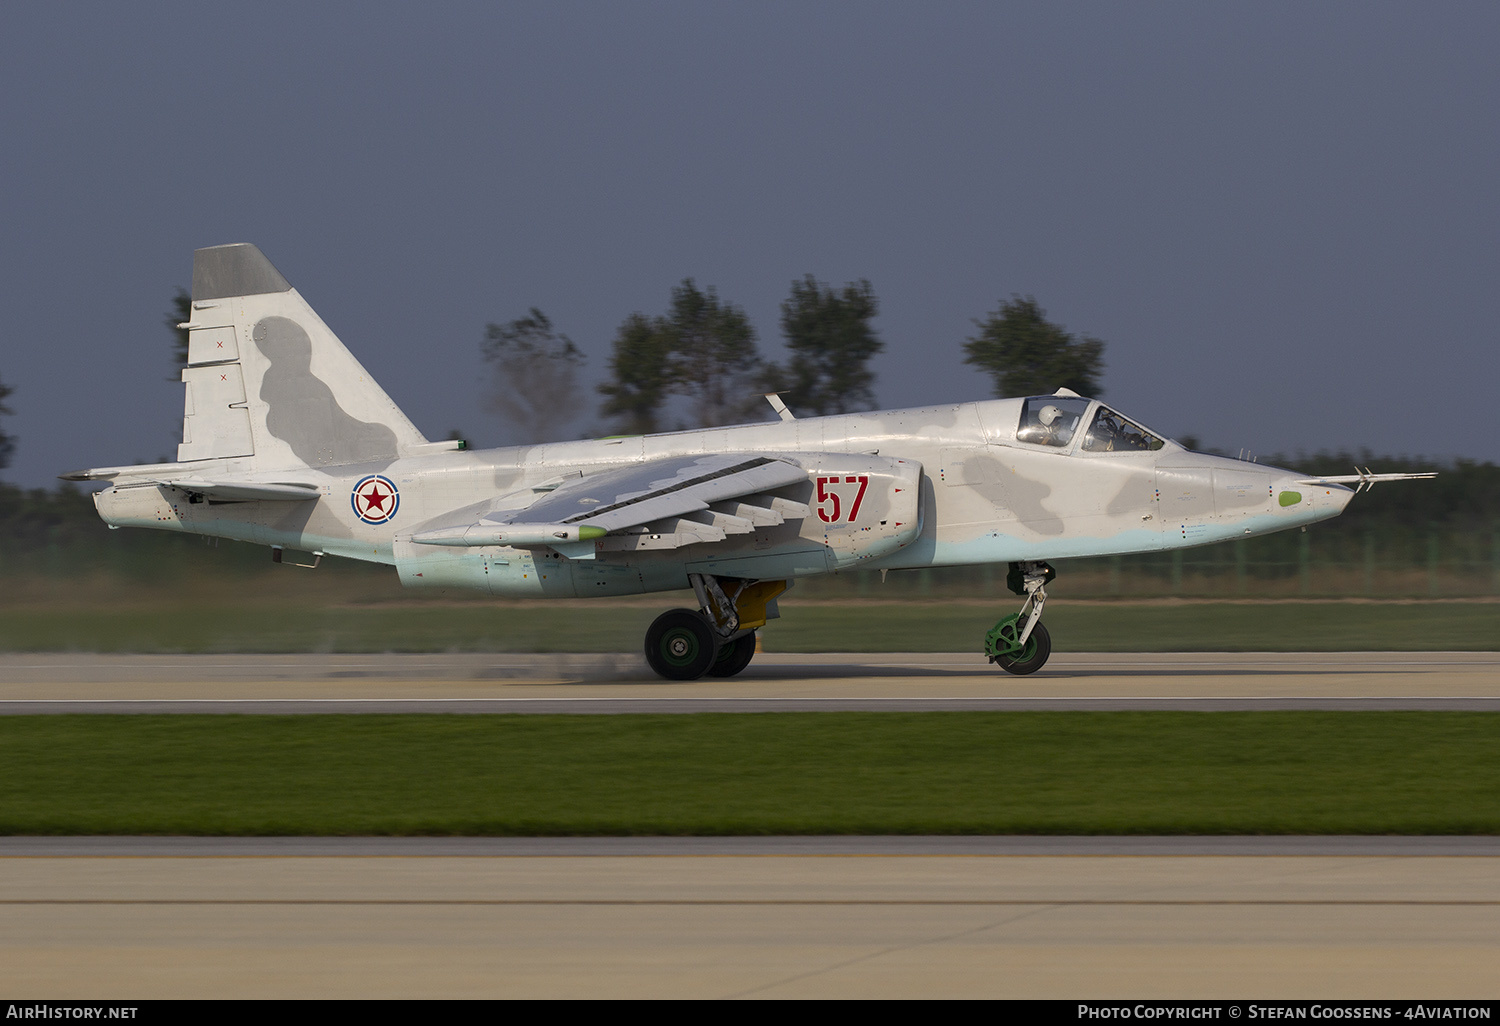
(1019, 643)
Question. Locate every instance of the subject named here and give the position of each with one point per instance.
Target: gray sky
(1281, 218)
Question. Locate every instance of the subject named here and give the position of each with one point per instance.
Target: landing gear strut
(1019, 643)
(718, 638)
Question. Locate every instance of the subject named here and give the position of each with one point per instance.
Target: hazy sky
(1281, 218)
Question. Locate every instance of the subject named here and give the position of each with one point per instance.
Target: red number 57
(828, 499)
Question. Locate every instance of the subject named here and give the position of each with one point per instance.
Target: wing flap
(791, 510)
(759, 516)
(669, 534)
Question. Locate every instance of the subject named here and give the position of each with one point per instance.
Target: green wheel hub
(1002, 641)
(679, 646)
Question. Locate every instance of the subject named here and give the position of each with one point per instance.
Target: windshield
(1111, 432)
(1051, 419)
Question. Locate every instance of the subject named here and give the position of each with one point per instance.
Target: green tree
(1029, 355)
(7, 442)
(830, 339)
(640, 375)
(715, 363)
(181, 313)
(536, 376)
(703, 349)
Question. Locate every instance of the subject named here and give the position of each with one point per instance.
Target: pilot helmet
(1047, 414)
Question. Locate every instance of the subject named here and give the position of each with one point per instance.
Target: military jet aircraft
(288, 442)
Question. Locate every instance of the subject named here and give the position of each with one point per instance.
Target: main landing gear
(718, 638)
(1019, 643)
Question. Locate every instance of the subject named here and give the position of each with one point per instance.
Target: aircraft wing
(667, 492)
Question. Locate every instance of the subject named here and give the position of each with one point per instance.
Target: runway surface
(505, 683)
(1121, 918)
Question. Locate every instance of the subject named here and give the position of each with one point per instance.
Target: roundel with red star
(375, 499)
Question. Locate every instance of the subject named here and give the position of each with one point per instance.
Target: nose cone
(1309, 501)
(1335, 497)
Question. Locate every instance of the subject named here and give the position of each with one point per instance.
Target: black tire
(680, 645)
(734, 656)
(1033, 655)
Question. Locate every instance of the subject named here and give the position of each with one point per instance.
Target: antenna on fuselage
(774, 398)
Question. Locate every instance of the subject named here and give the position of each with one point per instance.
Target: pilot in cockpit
(1050, 417)
(1051, 421)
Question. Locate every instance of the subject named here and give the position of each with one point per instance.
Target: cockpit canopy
(1054, 419)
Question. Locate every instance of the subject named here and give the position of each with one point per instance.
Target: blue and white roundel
(375, 499)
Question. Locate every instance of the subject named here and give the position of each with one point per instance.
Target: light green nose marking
(1290, 498)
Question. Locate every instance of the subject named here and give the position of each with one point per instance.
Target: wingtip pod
(236, 269)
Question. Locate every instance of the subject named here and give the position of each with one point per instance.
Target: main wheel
(1032, 656)
(680, 645)
(734, 656)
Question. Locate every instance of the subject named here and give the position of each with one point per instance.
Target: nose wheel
(1015, 657)
(1019, 643)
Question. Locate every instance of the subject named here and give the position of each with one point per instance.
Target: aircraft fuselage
(898, 489)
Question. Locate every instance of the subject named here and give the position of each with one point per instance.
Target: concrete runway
(1121, 918)
(491, 683)
(1126, 918)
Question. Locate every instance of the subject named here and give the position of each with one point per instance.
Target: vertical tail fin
(267, 379)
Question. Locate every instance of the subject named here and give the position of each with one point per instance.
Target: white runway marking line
(793, 902)
(675, 699)
(288, 667)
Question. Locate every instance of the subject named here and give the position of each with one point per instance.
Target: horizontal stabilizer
(246, 491)
(142, 471)
(219, 491)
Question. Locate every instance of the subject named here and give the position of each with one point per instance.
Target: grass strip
(830, 627)
(766, 773)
